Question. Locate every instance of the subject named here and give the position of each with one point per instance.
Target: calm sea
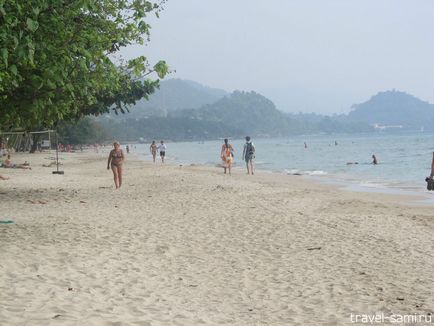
(404, 159)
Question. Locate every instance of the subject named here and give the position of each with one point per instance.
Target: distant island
(185, 110)
(394, 109)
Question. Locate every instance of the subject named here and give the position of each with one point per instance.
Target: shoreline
(188, 245)
(415, 195)
(289, 157)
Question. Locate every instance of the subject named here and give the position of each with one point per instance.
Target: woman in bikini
(115, 160)
(226, 155)
(153, 149)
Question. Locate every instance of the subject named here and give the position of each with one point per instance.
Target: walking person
(227, 154)
(249, 154)
(153, 149)
(115, 160)
(162, 149)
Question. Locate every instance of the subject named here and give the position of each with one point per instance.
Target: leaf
(50, 84)
(36, 11)
(14, 69)
(5, 56)
(37, 82)
(32, 25)
(161, 68)
(31, 52)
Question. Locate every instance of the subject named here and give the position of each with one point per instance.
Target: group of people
(161, 148)
(8, 164)
(116, 159)
(227, 155)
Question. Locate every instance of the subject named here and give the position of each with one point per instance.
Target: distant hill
(395, 108)
(185, 110)
(235, 115)
(173, 94)
(244, 112)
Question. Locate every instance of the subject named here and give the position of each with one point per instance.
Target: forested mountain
(395, 108)
(235, 115)
(249, 113)
(172, 95)
(246, 112)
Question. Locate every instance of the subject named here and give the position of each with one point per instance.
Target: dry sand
(189, 246)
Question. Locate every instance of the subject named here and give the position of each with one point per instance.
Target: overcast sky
(305, 55)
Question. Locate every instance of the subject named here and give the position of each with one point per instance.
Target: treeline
(83, 131)
(236, 115)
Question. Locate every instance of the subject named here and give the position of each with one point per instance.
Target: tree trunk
(34, 146)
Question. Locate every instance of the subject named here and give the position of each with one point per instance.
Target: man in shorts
(162, 149)
(249, 154)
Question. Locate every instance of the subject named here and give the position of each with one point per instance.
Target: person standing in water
(153, 149)
(115, 160)
(374, 160)
(226, 155)
(249, 154)
(162, 149)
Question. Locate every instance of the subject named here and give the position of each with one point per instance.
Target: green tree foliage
(57, 59)
(83, 131)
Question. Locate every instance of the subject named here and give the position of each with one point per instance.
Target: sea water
(404, 159)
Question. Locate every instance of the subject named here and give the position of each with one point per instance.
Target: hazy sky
(305, 55)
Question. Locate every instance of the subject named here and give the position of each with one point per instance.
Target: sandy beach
(186, 245)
